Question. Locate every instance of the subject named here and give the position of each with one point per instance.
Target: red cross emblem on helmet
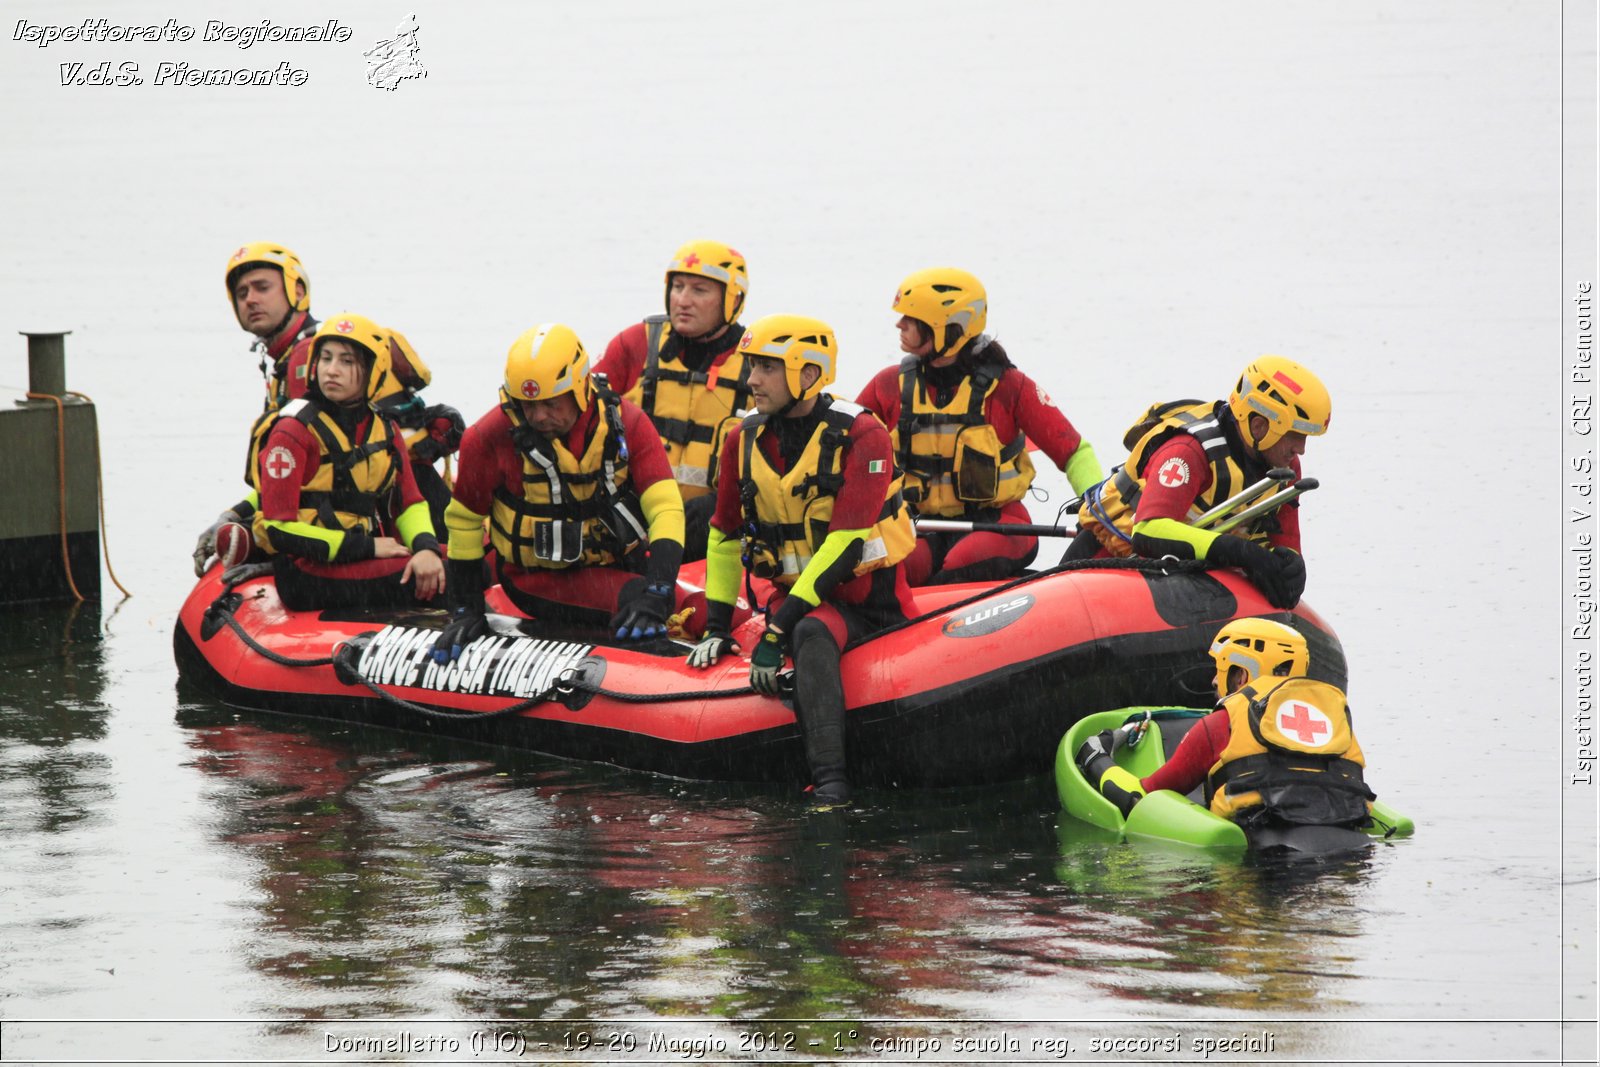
(237, 256)
(345, 326)
(530, 388)
(691, 260)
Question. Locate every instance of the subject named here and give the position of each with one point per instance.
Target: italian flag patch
(874, 466)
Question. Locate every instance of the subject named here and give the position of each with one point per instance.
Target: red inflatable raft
(978, 688)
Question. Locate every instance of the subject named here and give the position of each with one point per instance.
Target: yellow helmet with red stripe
(1289, 397)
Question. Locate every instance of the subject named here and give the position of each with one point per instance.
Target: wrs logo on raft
(986, 618)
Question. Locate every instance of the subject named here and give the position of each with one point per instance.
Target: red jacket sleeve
(1196, 754)
(488, 460)
(1033, 413)
(623, 362)
(868, 473)
(729, 513)
(1176, 473)
(288, 460)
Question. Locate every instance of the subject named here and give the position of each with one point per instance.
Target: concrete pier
(32, 479)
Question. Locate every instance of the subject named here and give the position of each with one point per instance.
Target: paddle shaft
(1275, 477)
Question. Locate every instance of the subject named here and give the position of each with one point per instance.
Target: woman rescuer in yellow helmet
(330, 470)
(1278, 748)
(584, 517)
(684, 370)
(809, 497)
(962, 417)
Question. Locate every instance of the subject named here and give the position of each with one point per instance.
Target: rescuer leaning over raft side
(684, 371)
(329, 468)
(1279, 748)
(584, 517)
(961, 415)
(1188, 456)
(270, 293)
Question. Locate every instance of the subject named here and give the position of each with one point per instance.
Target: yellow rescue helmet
(372, 340)
(1262, 647)
(547, 361)
(945, 297)
(720, 263)
(1287, 395)
(797, 340)
(267, 254)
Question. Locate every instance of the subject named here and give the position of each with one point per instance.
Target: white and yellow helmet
(944, 297)
(720, 263)
(546, 362)
(267, 254)
(1260, 646)
(797, 340)
(1288, 396)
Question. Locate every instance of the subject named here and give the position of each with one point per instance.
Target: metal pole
(47, 362)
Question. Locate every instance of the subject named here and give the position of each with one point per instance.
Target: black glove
(206, 546)
(645, 616)
(1279, 573)
(464, 627)
(445, 427)
(463, 586)
(244, 572)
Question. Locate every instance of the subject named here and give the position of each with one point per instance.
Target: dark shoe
(833, 793)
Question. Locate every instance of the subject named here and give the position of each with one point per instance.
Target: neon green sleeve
(465, 528)
(825, 564)
(724, 567)
(1186, 541)
(413, 521)
(662, 505)
(1083, 468)
(333, 539)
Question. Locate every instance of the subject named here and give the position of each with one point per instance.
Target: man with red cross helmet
(1187, 456)
(961, 416)
(270, 292)
(810, 499)
(331, 467)
(1279, 746)
(683, 369)
(582, 511)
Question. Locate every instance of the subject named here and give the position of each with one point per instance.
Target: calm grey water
(1152, 196)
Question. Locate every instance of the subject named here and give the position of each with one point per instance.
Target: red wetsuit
(490, 460)
(1195, 755)
(624, 360)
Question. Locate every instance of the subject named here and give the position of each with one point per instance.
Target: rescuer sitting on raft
(271, 297)
(960, 416)
(1187, 456)
(329, 468)
(810, 499)
(683, 370)
(1279, 747)
(584, 517)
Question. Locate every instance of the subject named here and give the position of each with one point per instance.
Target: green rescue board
(1164, 815)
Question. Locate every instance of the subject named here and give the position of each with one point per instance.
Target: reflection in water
(431, 880)
(52, 679)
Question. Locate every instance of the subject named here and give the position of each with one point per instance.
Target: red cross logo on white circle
(1304, 721)
(279, 463)
(530, 388)
(345, 326)
(1173, 473)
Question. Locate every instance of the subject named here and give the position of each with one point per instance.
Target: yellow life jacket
(786, 515)
(953, 460)
(692, 416)
(574, 511)
(1108, 508)
(1291, 755)
(353, 478)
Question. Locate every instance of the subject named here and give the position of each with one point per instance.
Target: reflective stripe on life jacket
(953, 460)
(692, 414)
(786, 516)
(1291, 755)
